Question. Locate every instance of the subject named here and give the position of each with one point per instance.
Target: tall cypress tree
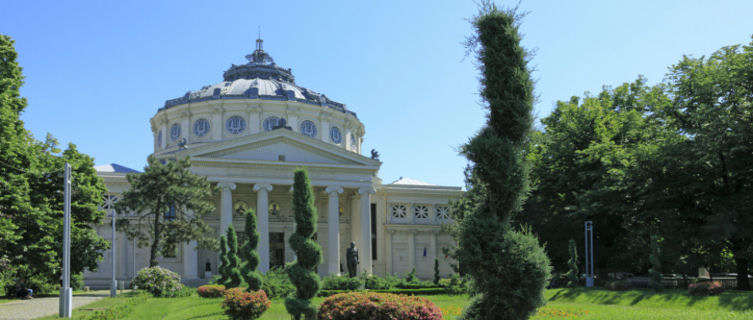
(510, 268)
(248, 252)
(234, 274)
(303, 272)
(224, 261)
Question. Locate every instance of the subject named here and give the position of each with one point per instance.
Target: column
(333, 230)
(262, 224)
(411, 249)
(388, 259)
(190, 260)
(365, 204)
(226, 205)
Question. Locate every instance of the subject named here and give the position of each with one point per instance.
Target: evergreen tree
(234, 273)
(169, 203)
(303, 272)
(572, 275)
(655, 259)
(436, 271)
(248, 252)
(223, 269)
(510, 269)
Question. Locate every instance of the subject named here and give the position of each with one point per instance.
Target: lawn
(563, 304)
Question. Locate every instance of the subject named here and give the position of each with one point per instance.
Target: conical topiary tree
(572, 274)
(303, 272)
(248, 253)
(233, 270)
(224, 261)
(510, 269)
(436, 271)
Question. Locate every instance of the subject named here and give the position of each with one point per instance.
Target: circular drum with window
(235, 124)
(175, 132)
(334, 134)
(270, 123)
(201, 127)
(308, 128)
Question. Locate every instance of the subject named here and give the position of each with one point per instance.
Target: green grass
(4, 300)
(563, 304)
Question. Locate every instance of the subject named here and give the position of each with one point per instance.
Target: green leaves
(166, 185)
(302, 273)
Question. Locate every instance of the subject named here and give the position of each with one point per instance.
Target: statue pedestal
(208, 275)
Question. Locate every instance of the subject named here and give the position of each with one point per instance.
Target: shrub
(458, 285)
(211, 291)
(380, 283)
(158, 281)
(276, 283)
(366, 305)
(705, 288)
(341, 283)
(243, 305)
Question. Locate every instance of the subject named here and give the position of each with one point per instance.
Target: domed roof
(260, 78)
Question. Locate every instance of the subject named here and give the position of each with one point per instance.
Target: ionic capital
(227, 186)
(260, 186)
(366, 190)
(333, 190)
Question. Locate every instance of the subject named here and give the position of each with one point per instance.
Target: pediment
(282, 147)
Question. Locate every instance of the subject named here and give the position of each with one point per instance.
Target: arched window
(308, 128)
(175, 132)
(270, 123)
(235, 124)
(334, 135)
(201, 127)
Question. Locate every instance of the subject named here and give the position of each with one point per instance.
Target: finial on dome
(259, 41)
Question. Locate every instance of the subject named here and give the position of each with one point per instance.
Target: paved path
(41, 307)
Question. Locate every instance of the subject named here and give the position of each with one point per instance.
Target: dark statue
(374, 154)
(352, 257)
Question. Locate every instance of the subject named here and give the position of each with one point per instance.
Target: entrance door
(276, 250)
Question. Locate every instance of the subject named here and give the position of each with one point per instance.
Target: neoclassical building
(247, 134)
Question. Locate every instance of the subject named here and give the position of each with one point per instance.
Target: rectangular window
(373, 231)
(170, 214)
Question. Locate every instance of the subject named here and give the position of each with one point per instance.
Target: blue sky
(97, 71)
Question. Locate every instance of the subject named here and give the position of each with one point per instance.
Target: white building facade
(247, 135)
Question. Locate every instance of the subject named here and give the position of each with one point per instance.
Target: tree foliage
(169, 204)
(509, 267)
(249, 254)
(234, 273)
(31, 193)
(223, 269)
(309, 255)
(572, 275)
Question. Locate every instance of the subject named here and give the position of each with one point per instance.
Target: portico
(245, 179)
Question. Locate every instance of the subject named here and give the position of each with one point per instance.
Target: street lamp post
(109, 204)
(589, 237)
(66, 293)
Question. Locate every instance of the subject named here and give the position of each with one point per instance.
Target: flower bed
(410, 292)
(370, 305)
(705, 288)
(242, 305)
(211, 291)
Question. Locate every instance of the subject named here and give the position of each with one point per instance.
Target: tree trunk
(155, 243)
(742, 273)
